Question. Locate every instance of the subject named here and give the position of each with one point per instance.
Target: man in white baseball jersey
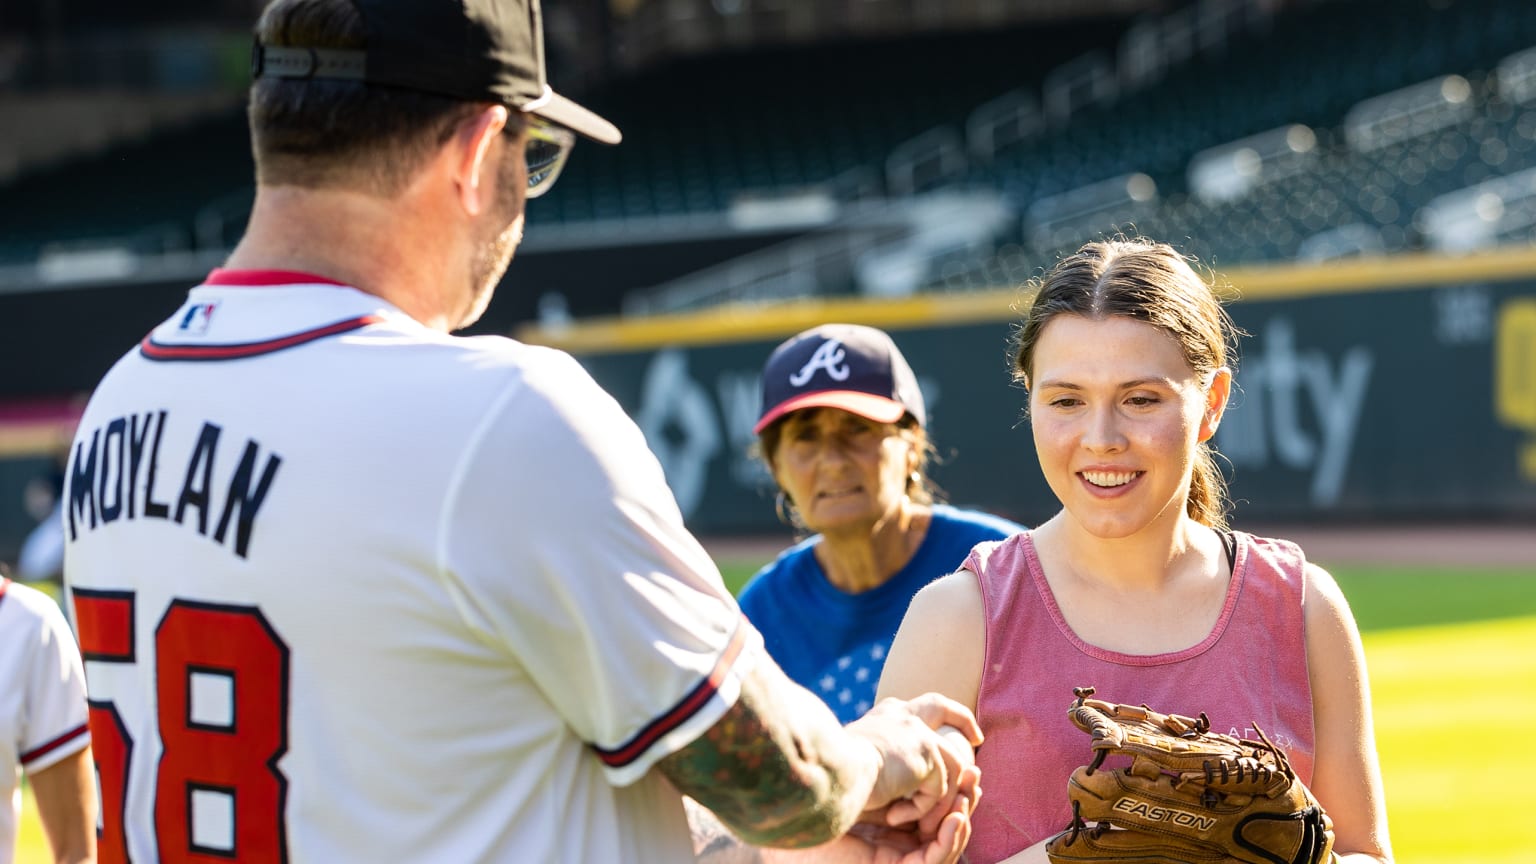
(42, 726)
(353, 589)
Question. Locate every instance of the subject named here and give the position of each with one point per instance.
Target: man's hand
(869, 843)
(777, 769)
(920, 768)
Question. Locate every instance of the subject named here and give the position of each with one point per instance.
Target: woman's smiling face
(1118, 415)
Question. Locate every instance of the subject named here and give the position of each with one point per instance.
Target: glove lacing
(1252, 767)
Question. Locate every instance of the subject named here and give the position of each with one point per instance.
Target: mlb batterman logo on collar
(848, 366)
(475, 50)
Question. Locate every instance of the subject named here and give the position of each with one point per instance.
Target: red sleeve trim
(47, 747)
(631, 750)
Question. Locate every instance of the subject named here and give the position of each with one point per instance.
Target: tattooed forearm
(713, 843)
(776, 768)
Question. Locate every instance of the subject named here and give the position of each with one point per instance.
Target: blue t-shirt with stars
(834, 643)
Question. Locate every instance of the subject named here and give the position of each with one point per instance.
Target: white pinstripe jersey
(42, 696)
(354, 590)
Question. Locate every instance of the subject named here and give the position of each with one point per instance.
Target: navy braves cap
(849, 366)
(475, 50)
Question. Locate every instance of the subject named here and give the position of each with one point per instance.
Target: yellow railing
(739, 323)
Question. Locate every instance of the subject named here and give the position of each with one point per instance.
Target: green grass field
(1446, 649)
(1450, 651)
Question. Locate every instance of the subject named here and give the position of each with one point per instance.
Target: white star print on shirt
(848, 682)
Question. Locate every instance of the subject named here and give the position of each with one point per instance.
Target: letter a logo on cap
(829, 356)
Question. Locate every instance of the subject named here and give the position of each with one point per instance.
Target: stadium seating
(698, 134)
(701, 133)
(145, 196)
(1310, 70)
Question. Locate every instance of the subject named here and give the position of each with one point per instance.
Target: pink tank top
(1251, 668)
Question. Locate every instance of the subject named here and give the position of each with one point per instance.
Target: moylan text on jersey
(115, 474)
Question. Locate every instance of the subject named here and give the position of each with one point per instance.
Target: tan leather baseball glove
(1189, 796)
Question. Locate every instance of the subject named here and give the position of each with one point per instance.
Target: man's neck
(382, 247)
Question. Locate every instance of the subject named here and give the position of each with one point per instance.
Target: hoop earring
(781, 507)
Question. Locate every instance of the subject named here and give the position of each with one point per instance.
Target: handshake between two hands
(919, 809)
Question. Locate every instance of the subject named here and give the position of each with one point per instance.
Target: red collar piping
(262, 278)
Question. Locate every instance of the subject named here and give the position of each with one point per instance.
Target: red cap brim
(866, 405)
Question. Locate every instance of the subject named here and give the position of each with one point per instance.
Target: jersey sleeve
(566, 534)
(55, 716)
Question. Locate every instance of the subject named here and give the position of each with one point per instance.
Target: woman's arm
(942, 643)
(1347, 775)
(66, 805)
(941, 647)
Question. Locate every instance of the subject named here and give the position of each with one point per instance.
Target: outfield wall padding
(1365, 393)
(1371, 390)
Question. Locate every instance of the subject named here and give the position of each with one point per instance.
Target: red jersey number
(221, 678)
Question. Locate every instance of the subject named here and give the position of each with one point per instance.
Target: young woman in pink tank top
(1136, 587)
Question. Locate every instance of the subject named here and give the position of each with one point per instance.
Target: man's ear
(1215, 402)
(473, 165)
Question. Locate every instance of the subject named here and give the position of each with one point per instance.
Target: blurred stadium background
(1361, 172)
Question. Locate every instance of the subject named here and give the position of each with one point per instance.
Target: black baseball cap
(475, 50)
(849, 366)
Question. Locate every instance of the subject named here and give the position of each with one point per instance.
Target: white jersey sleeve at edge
(565, 538)
(55, 686)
